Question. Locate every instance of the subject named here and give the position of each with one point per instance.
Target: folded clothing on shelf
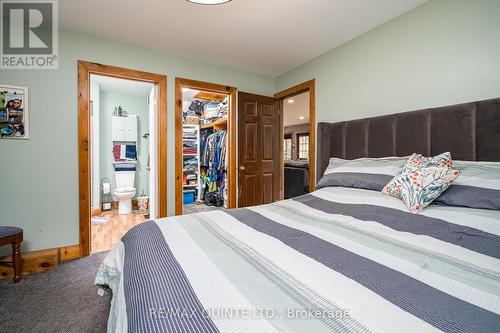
(190, 161)
(190, 164)
(210, 110)
(124, 152)
(189, 130)
(190, 168)
(116, 152)
(189, 145)
(130, 152)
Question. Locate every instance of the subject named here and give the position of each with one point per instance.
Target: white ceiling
(108, 83)
(188, 94)
(292, 112)
(269, 37)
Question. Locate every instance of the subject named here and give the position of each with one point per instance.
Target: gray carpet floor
(62, 300)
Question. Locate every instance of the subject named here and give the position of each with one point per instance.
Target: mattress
(338, 259)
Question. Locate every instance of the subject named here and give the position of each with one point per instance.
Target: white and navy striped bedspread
(338, 259)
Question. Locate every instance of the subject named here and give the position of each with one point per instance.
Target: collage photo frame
(13, 112)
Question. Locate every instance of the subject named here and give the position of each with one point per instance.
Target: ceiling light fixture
(209, 2)
(290, 101)
(302, 118)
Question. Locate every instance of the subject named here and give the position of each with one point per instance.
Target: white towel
(123, 155)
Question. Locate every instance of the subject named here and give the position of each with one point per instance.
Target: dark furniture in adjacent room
(14, 236)
(296, 178)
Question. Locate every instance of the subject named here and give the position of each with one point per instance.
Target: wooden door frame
(232, 130)
(85, 69)
(308, 86)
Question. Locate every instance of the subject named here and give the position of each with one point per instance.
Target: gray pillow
(477, 187)
(365, 173)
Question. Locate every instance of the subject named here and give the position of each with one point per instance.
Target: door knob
(242, 168)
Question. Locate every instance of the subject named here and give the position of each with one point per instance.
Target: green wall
(443, 52)
(39, 177)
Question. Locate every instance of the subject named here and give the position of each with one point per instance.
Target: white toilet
(124, 191)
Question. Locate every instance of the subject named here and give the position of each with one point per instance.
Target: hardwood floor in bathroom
(105, 235)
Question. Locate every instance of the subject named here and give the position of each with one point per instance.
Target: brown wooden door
(258, 149)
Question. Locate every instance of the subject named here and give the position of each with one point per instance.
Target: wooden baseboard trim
(39, 261)
(32, 262)
(70, 252)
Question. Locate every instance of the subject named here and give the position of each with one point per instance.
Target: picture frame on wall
(13, 112)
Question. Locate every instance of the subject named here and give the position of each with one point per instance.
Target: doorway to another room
(122, 115)
(296, 145)
(205, 147)
(298, 129)
(122, 132)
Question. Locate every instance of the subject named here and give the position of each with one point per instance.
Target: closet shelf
(190, 172)
(218, 124)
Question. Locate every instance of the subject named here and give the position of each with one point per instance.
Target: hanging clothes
(214, 165)
(214, 151)
(203, 142)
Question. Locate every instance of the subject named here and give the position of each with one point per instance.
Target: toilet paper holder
(105, 194)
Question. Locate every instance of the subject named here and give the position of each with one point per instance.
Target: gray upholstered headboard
(470, 131)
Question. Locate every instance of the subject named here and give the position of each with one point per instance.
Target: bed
(342, 258)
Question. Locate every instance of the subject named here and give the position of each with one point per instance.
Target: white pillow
(391, 165)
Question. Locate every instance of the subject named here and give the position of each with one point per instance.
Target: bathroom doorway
(120, 157)
(122, 152)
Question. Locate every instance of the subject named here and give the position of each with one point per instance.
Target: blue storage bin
(189, 197)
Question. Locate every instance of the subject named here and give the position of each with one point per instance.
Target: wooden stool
(14, 236)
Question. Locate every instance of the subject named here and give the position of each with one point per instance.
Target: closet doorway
(205, 146)
(122, 151)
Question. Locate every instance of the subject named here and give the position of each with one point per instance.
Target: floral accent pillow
(422, 180)
(417, 161)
